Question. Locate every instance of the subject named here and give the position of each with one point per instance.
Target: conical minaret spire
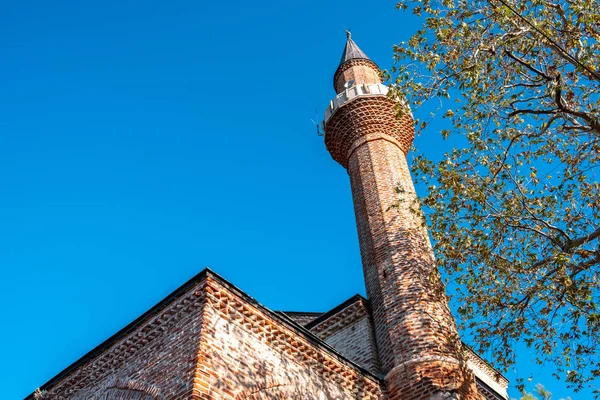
(420, 352)
(355, 68)
(351, 50)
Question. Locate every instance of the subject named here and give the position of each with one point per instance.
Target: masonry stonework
(246, 353)
(419, 348)
(155, 360)
(358, 70)
(350, 331)
(210, 341)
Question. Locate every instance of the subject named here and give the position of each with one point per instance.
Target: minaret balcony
(360, 90)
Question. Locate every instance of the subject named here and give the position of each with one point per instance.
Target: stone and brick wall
(357, 343)
(366, 119)
(488, 393)
(248, 353)
(211, 341)
(359, 70)
(153, 358)
(490, 382)
(349, 330)
(418, 344)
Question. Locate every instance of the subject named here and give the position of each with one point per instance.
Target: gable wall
(210, 341)
(247, 354)
(350, 332)
(302, 318)
(357, 343)
(154, 361)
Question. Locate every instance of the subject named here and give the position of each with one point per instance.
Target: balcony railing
(365, 89)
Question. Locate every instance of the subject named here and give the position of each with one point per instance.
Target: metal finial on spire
(348, 34)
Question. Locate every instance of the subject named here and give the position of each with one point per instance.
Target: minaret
(419, 347)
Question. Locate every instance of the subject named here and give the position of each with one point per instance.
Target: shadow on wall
(119, 389)
(126, 394)
(247, 368)
(424, 328)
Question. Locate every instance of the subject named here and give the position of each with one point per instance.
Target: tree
(514, 212)
(39, 394)
(541, 391)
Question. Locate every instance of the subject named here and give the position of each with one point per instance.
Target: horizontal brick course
(359, 70)
(213, 342)
(248, 353)
(156, 359)
(417, 341)
(350, 332)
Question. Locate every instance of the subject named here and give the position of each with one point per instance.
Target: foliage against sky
(540, 391)
(515, 211)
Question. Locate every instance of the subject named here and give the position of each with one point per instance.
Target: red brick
(418, 344)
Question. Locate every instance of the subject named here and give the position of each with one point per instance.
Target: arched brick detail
(120, 389)
(125, 394)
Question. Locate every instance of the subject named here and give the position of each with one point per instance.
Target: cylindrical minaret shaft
(418, 344)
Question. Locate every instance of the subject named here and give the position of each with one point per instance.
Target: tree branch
(571, 244)
(530, 111)
(527, 65)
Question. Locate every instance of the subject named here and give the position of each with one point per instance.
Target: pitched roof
(281, 317)
(301, 317)
(338, 308)
(351, 50)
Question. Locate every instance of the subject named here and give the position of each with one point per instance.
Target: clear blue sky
(143, 141)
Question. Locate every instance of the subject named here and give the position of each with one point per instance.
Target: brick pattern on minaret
(418, 344)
